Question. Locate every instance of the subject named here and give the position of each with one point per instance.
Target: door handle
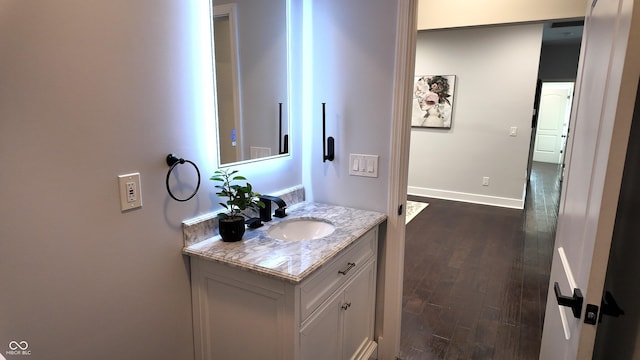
(350, 266)
(608, 306)
(574, 302)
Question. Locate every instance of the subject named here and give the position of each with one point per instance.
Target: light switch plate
(130, 191)
(363, 165)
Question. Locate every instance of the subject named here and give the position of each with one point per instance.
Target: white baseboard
(467, 197)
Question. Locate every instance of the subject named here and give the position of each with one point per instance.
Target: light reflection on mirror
(250, 70)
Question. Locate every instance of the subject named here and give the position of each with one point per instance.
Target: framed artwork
(433, 101)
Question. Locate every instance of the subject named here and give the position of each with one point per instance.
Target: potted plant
(238, 198)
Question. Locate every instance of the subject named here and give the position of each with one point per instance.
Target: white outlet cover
(125, 203)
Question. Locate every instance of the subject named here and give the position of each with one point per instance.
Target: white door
(553, 120)
(603, 109)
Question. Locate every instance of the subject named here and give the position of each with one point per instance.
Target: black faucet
(265, 212)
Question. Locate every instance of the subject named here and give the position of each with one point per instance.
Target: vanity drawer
(330, 277)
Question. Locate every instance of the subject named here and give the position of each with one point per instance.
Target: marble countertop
(290, 260)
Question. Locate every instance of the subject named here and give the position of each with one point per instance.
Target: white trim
(368, 350)
(513, 203)
(392, 248)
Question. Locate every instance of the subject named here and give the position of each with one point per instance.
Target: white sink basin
(301, 229)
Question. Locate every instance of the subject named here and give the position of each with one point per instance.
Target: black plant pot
(231, 229)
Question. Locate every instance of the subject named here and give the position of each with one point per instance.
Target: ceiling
(562, 32)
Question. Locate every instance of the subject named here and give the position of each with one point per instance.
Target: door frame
(392, 249)
(229, 11)
(534, 120)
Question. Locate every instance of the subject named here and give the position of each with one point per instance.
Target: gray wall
(496, 69)
(351, 47)
(90, 90)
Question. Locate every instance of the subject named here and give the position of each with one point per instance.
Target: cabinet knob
(345, 271)
(345, 306)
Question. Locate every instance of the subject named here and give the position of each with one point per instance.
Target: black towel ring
(173, 161)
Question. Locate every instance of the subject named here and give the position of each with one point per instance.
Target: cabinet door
(321, 337)
(236, 315)
(359, 315)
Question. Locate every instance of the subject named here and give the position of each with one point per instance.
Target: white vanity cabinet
(240, 314)
(342, 327)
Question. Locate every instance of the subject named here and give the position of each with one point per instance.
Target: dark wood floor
(476, 276)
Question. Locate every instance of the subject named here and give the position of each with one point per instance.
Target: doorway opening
(502, 317)
(550, 140)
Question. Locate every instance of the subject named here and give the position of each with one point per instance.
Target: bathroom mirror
(250, 77)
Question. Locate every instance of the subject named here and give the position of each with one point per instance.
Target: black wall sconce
(280, 137)
(328, 144)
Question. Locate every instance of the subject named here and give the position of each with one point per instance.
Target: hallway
(476, 276)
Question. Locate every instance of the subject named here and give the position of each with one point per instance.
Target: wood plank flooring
(476, 276)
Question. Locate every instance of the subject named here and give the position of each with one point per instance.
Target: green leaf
(238, 197)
